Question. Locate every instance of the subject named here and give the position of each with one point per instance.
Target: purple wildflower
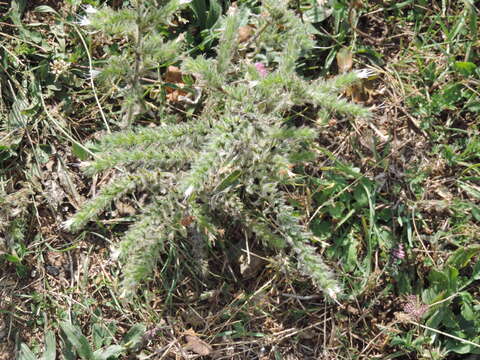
(414, 308)
(398, 252)
(262, 70)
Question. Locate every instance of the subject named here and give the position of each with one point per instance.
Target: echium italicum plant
(234, 161)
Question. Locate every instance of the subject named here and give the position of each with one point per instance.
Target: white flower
(84, 21)
(189, 191)
(67, 225)
(89, 9)
(365, 73)
(93, 73)
(333, 292)
(181, 2)
(114, 253)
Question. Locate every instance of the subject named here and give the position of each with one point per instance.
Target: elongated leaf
(50, 347)
(78, 340)
(461, 257)
(112, 351)
(229, 180)
(199, 8)
(45, 9)
(213, 14)
(26, 353)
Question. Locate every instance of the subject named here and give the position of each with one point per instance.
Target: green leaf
(199, 8)
(373, 56)
(317, 13)
(461, 257)
(438, 279)
(336, 210)
(463, 348)
(101, 335)
(322, 229)
(476, 271)
(361, 197)
(469, 189)
(17, 8)
(437, 317)
(50, 346)
(474, 106)
(26, 353)
(213, 14)
(465, 68)
(80, 152)
(134, 335)
(467, 310)
(78, 341)
(13, 258)
(45, 9)
(112, 351)
(229, 180)
(404, 283)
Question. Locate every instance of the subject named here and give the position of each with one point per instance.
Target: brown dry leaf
(359, 91)
(195, 344)
(187, 220)
(250, 266)
(68, 182)
(124, 208)
(244, 33)
(193, 318)
(344, 60)
(357, 4)
(174, 76)
(363, 92)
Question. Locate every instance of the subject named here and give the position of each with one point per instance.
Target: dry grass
(273, 314)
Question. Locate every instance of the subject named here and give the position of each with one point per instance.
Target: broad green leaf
(213, 14)
(199, 8)
(17, 118)
(322, 229)
(474, 106)
(113, 351)
(461, 257)
(17, 7)
(464, 348)
(438, 279)
(361, 196)
(437, 317)
(102, 335)
(336, 210)
(78, 340)
(50, 346)
(26, 353)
